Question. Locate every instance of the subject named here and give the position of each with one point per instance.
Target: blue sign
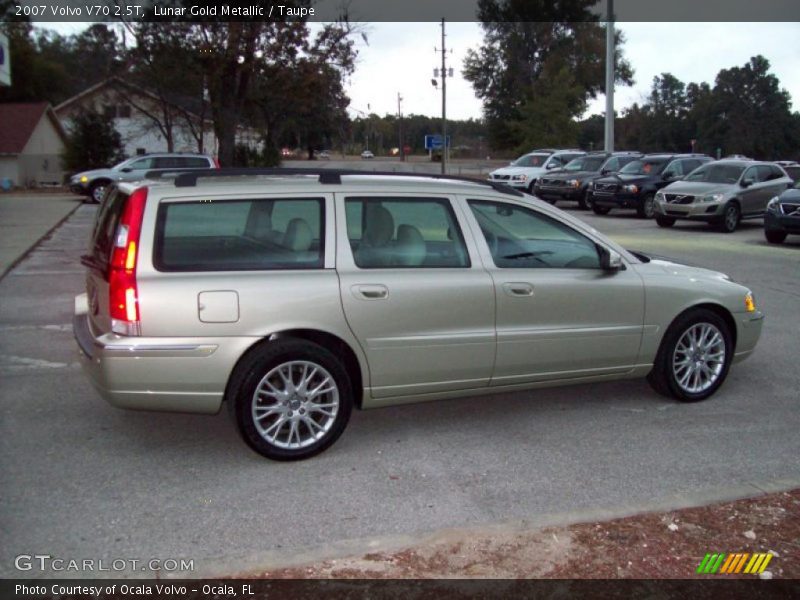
(434, 142)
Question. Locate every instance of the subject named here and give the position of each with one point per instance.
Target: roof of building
(19, 119)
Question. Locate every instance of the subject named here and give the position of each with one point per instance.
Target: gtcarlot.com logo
(730, 564)
(47, 562)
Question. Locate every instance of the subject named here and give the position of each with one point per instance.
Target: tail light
(216, 162)
(122, 290)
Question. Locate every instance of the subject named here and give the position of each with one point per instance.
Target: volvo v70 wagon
(294, 297)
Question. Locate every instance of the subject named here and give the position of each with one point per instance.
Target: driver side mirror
(551, 166)
(610, 260)
(126, 170)
(746, 183)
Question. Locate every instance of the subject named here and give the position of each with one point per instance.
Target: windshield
(530, 160)
(585, 163)
(124, 163)
(716, 174)
(644, 166)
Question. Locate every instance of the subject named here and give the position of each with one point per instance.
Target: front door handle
(518, 289)
(370, 292)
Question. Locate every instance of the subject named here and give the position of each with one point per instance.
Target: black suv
(573, 181)
(636, 184)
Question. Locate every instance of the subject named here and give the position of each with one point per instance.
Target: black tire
(250, 373)
(647, 207)
(662, 377)
(600, 210)
(774, 237)
(585, 200)
(665, 221)
(96, 191)
(731, 216)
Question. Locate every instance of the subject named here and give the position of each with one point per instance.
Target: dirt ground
(667, 545)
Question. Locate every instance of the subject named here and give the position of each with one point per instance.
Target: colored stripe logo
(727, 564)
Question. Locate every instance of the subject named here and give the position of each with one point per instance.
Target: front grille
(552, 182)
(501, 177)
(790, 210)
(678, 198)
(605, 187)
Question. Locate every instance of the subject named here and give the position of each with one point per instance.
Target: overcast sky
(400, 58)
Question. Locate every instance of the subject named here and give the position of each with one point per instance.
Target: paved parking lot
(79, 479)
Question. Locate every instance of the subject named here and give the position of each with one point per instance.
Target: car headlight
(750, 302)
(711, 198)
(631, 189)
(774, 204)
(84, 179)
(660, 197)
(574, 183)
(519, 177)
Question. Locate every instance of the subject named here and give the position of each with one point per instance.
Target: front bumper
(159, 374)
(557, 193)
(782, 223)
(748, 332)
(616, 199)
(520, 185)
(76, 187)
(693, 212)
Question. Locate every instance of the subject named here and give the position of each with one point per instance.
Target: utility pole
(609, 145)
(400, 127)
(444, 102)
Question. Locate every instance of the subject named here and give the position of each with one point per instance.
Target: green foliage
(93, 143)
(250, 157)
(526, 42)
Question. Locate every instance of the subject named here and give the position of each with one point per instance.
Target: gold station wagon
(295, 295)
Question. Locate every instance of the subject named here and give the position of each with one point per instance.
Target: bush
(93, 143)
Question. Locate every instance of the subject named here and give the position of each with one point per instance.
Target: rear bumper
(748, 332)
(160, 374)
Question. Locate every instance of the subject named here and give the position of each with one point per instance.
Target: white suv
(524, 172)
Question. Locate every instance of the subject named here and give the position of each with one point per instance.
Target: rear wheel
(730, 218)
(585, 200)
(600, 210)
(647, 207)
(694, 357)
(665, 221)
(774, 237)
(291, 399)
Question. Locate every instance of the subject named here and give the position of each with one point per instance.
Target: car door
(559, 315)
(414, 293)
(137, 169)
(750, 194)
(773, 182)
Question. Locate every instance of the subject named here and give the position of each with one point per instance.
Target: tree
(93, 143)
(520, 39)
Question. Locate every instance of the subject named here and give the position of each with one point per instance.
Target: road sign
(5, 61)
(434, 142)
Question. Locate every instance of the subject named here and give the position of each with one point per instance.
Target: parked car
(324, 154)
(94, 183)
(367, 154)
(249, 291)
(721, 193)
(573, 181)
(524, 172)
(783, 216)
(636, 184)
(792, 170)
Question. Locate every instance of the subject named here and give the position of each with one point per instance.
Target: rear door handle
(370, 292)
(518, 289)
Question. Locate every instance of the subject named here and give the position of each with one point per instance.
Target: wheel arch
(327, 340)
(720, 310)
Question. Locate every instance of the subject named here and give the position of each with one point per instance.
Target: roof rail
(326, 176)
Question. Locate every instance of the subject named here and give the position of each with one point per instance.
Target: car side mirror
(746, 183)
(605, 171)
(551, 166)
(610, 260)
(126, 170)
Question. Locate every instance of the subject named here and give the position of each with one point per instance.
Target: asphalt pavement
(82, 480)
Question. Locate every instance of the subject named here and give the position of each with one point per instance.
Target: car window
(195, 162)
(530, 160)
(520, 238)
(751, 174)
(644, 166)
(404, 233)
(690, 165)
(240, 235)
(612, 164)
(555, 161)
(768, 173)
(142, 164)
(167, 162)
(624, 160)
(716, 173)
(674, 169)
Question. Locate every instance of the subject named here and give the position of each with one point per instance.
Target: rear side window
(404, 233)
(105, 227)
(240, 235)
(195, 162)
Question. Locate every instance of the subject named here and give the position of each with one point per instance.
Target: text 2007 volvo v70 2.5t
(294, 298)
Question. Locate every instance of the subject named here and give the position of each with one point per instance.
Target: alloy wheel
(699, 358)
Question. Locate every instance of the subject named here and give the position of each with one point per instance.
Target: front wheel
(665, 221)
(774, 237)
(600, 210)
(291, 399)
(694, 357)
(647, 207)
(585, 200)
(730, 218)
(97, 191)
